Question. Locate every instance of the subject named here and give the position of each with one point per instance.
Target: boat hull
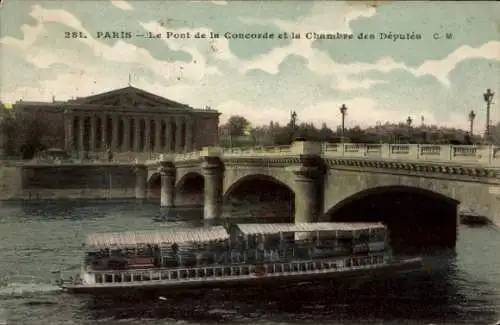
(270, 280)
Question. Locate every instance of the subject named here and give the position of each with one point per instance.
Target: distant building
(125, 120)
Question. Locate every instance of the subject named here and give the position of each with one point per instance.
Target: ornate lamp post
(472, 116)
(293, 125)
(409, 121)
(488, 97)
(343, 111)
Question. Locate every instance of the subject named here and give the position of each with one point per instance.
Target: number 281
(74, 35)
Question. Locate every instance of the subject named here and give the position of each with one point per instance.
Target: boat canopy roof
(156, 237)
(276, 228)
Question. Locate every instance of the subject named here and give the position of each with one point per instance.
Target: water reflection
(462, 286)
(429, 297)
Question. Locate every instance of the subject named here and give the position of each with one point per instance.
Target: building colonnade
(129, 133)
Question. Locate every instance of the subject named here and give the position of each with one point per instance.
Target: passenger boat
(233, 255)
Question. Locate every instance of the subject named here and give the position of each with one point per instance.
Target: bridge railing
(442, 153)
(257, 151)
(475, 154)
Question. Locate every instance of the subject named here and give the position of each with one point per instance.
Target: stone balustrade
(472, 154)
(484, 155)
(257, 151)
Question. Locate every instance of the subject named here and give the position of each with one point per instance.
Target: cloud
(350, 84)
(217, 48)
(123, 5)
(257, 115)
(260, 80)
(215, 2)
(120, 51)
(30, 33)
(442, 68)
(321, 63)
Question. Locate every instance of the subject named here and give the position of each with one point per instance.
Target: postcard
(249, 162)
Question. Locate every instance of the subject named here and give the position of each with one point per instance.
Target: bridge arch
(417, 218)
(265, 196)
(189, 189)
(154, 184)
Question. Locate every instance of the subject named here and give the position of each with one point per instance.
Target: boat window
(210, 272)
(378, 235)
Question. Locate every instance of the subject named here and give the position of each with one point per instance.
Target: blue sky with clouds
(379, 80)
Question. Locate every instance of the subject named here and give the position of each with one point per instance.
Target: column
(137, 122)
(126, 134)
(168, 173)
(141, 174)
(81, 146)
(168, 135)
(213, 170)
(147, 135)
(69, 133)
(309, 182)
(104, 132)
(93, 133)
(189, 135)
(158, 135)
(178, 134)
(114, 137)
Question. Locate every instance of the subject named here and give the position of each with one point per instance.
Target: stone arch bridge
(343, 181)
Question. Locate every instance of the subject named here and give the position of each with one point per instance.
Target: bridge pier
(308, 185)
(213, 170)
(141, 174)
(167, 192)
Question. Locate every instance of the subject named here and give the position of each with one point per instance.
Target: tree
(23, 134)
(236, 126)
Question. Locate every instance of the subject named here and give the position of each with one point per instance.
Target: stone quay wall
(67, 182)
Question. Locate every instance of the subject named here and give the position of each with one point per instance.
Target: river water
(39, 238)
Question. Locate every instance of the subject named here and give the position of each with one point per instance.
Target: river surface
(39, 238)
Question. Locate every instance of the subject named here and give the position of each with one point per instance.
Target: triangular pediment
(130, 97)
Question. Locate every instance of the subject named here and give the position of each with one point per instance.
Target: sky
(439, 75)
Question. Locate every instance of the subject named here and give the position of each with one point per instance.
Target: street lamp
(472, 116)
(343, 111)
(409, 121)
(488, 97)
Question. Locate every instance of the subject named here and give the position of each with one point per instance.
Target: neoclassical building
(126, 120)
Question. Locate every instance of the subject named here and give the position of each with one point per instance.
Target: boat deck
(228, 273)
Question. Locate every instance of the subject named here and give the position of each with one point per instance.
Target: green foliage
(235, 126)
(275, 134)
(23, 135)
